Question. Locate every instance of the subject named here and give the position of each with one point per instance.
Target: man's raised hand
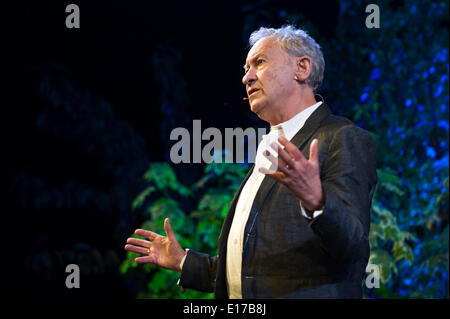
(300, 175)
(163, 251)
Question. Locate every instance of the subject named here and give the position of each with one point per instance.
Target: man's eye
(258, 62)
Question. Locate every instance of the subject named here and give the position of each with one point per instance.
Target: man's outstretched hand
(162, 251)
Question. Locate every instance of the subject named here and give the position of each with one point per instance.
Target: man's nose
(249, 77)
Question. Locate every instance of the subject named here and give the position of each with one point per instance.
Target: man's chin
(256, 107)
(262, 110)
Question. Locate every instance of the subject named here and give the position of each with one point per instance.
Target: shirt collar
(293, 125)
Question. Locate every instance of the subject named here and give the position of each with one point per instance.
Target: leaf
(389, 180)
(158, 282)
(385, 262)
(214, 201)
(139, 200)
(402, 250)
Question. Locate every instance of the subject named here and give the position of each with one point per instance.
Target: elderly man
(298, 226)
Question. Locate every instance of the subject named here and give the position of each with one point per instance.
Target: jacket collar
(311, 125)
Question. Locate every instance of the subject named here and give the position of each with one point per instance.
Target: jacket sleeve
(199, 272)
(349, 179)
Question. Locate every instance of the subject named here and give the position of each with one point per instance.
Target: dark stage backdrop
(101, 100)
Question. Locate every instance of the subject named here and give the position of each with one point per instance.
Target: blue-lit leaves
(423, 194)
(364, 97)
(441, 56)
(375, 74)
(438, 91)
(443, 124)
(432, 69)
(441, 163)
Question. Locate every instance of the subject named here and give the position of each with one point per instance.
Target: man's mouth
(251, 91)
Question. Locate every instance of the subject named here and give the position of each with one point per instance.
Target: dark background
(111, 54)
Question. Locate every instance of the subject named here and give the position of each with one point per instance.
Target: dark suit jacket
(286, 255)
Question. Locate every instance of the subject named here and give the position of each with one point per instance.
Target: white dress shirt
(236, 236)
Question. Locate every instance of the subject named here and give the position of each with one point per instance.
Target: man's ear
(303, 68)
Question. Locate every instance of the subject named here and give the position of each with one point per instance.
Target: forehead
(267, 46)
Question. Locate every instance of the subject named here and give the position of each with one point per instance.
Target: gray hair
(297, 43)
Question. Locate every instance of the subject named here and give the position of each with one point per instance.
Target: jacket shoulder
(335, 124)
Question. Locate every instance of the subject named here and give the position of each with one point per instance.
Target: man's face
(269, 77)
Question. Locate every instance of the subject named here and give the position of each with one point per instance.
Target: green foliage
(196, 214)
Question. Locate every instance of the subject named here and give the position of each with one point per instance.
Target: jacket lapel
(311, 125)
(221, 286)
(223, 237)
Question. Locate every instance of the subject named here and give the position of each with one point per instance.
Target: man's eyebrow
(253, 59)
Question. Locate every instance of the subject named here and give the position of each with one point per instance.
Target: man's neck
(294, 106)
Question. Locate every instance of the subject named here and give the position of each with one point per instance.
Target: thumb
(168, 229)
(314, 151)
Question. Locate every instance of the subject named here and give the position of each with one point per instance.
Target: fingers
(276, 175)
(139, 242)
(294, 152)
(280, 164)
(139, 250)
(283, 156)
(146, 233)
(314, 151)
(145, 259)
(289, 157)
(168, 229)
